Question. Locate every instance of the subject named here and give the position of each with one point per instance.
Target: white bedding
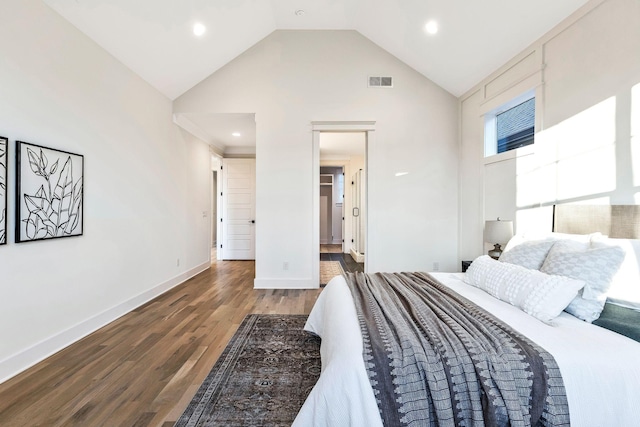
(600, 369)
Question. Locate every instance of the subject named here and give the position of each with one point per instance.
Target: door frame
(216, 165)
(368, 127)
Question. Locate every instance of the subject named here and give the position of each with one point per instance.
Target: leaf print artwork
(51, 198)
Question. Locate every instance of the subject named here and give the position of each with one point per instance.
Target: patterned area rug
(328, 270)
(262, 377)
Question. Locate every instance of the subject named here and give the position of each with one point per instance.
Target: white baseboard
(285, 284)
(25, 359)
(357, 257)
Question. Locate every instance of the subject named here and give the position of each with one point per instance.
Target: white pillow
(584, 238)
(595, 267)
(529, 254)
(541, 295)
(625, 285)
(551, 235)
(516, 240)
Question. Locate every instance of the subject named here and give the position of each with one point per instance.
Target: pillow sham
(595, 266)
(622, 320)
(625, 284)
(518, 239)
(530, 254)
(540, 295)
(583, 238)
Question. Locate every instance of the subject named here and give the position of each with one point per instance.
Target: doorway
(341, 152)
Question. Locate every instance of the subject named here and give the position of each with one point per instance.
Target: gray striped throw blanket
(435, 358)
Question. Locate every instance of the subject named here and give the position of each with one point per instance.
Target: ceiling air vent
(380, 81)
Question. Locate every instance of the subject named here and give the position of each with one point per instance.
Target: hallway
(334, 253)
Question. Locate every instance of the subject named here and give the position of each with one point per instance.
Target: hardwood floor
(144, 368)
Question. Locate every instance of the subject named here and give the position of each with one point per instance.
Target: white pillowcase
(595, 267)
(530, 254)
(541, 295)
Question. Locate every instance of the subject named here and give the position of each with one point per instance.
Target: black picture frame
(49, 193)
(4, 166)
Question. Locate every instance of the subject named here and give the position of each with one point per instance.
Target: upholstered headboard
(617, 221)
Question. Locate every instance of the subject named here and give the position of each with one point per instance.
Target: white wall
(146, 187)
(586, 78)
(292, 78)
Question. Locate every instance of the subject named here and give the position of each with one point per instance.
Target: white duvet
(600, 369)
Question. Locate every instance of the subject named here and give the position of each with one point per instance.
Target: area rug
(328, 270)
(262, 377)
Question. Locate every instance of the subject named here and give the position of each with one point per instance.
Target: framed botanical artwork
(4, 156)
(49, 193)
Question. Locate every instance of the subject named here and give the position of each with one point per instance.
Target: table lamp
(497, 233)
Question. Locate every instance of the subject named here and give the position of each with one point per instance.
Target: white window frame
(490, 128)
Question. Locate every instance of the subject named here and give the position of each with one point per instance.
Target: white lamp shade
(498, 231)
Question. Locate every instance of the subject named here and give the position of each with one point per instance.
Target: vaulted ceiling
(155, 38)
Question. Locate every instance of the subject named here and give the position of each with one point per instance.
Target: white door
(362, 194)
(355, 213)
(238, 220)
(358, 229)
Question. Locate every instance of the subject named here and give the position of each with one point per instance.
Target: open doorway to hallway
(342, 195)
(231, 136)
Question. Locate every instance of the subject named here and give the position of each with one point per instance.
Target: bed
(600, 368)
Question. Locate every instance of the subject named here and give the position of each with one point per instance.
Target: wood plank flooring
(144, 368)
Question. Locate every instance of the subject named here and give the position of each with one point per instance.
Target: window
(514, 127)
(511, 125)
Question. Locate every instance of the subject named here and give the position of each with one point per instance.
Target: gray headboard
(618, 221)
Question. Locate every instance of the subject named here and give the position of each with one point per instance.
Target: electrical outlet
(178, 262)
(285, 265)
(436, 266)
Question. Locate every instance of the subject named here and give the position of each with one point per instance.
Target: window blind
(515, 126)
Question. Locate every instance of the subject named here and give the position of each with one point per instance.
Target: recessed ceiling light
(431, 27)
(299, 12)
(236, 134)
(199, 29)
(402, 173)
